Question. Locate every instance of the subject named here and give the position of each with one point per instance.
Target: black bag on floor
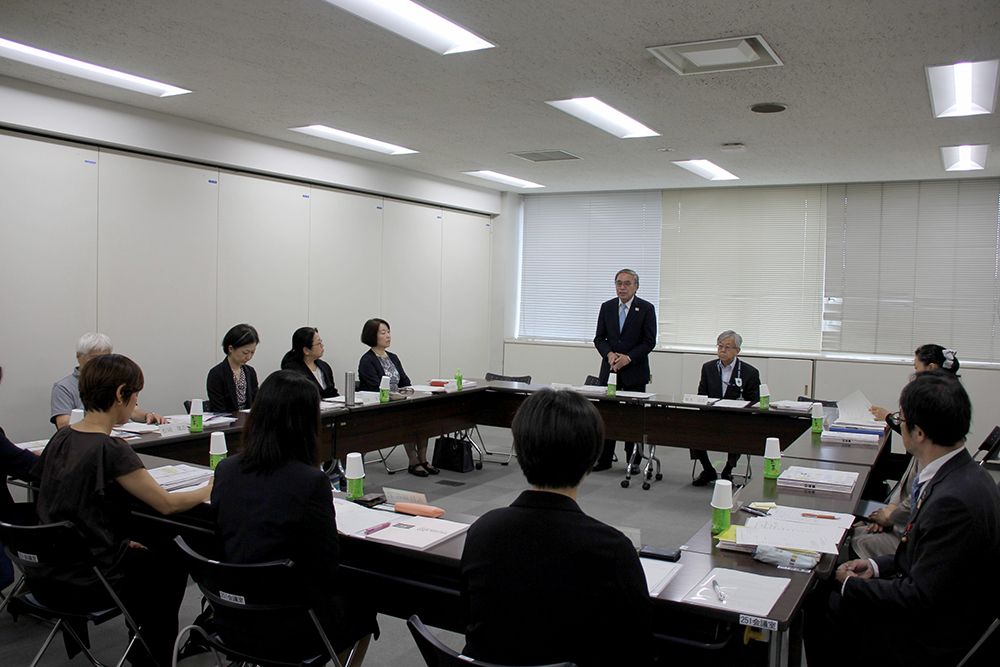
(452, 454)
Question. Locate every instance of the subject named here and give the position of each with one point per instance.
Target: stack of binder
(816, 479)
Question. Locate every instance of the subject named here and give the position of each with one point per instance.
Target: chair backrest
(808, 399)
(204, 406)
(593, 380)
(436, 654)
(991, 446)
(46, 547)
(496, 377)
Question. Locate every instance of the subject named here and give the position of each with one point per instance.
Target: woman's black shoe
(417, 470)
(429, 468)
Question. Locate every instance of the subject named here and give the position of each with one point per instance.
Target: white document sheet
(730, 403)
(786, 539)
(813, 517)
(746, 593)
(393, 496)
(353, 519)
(658, 573)
(428, 388)
(417, 532)
(855, 410)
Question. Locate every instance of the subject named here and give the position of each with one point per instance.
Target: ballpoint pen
(375, 529)
(718, 590)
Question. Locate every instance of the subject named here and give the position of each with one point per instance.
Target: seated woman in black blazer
(232, 384)
(270, 503)
(378, 362)
(304, 358)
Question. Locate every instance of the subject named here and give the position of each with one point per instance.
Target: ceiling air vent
(717, 55)
(545, 156)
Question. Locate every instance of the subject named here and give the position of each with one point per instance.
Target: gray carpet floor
(670, 512)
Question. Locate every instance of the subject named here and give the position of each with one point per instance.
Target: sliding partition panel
(465, 294)
(411, 286)
(48, 269)
(263, 263)
(345, 273)
(157, 266)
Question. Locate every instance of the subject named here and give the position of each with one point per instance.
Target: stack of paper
(730, 403)
(855, 415)
(428, 389)
(849, 438)
(412, 532)
(34, 446)
(817, 479)
(181, 476)
(135, 428)
(658, 574)
(738, 591)
(729, 542)
(792, 406)
(337, 401)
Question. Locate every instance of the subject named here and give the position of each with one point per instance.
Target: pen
(718, 590)
(819, 516)
(752, 510)
(375, 529)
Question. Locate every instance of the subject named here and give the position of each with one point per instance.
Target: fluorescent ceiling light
(963, 89)
(706, 169)
(599, 114)
(502, 178)
(964, 158)
(73, 67)
(324, 132)
(415, 23)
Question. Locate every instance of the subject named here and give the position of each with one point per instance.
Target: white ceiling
(853, 79)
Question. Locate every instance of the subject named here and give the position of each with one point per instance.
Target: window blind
(913, 263)
(747, 259)
(572, 245)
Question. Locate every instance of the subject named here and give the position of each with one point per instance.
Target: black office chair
(481, 445)
(272, 594)
(40, 551)
(496, 377)
(991, 446)
(593, 381)
(436, 654)
(204, 406)
(988, 644)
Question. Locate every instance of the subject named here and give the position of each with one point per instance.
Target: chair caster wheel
(624, 483)
(659, 477)
(505, 463)
(645, 486)
(390, 472)
(479, 466)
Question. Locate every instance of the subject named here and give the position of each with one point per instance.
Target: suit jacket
(222, 388)
(289, 363)
(15, 462)
(542, 582)
(636, 339)
(711, 381)
(939, 591)
(370, 371)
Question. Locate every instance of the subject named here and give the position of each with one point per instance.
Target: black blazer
(15, 462)
(290, 363)
(942, 578)
(370, 371)
(749, 378)
(222, 388)
(636, 339)
(543, 583)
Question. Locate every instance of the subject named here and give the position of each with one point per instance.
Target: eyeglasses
(317, 342)
(727, 348)
(895, 420)
(623, 283)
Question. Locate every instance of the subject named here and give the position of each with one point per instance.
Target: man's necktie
(622, 311)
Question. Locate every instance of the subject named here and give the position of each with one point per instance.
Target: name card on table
(175, 428)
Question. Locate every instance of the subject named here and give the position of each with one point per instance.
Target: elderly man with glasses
(726, 377)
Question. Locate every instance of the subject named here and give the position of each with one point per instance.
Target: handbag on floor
(452, 454)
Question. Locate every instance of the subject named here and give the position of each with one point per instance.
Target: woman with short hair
(232, 384)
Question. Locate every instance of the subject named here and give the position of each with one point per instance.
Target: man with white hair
(66, 392)
(726, 377)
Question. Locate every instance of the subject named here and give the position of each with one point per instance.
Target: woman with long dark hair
(305, 358)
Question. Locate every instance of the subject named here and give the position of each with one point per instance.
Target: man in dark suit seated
(541, 581)
(626, 333)
(726, 377)
(930, 602)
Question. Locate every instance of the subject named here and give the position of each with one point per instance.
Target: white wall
(165, 257)
(677, 373)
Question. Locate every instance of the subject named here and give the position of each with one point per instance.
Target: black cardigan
(222, 388)
(370, 371)
(290, 363)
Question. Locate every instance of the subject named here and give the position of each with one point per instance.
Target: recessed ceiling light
(717, 55)
(607, 118)
(324, 132)
(84, 70)
(502, 178)
(415, 23)
(706, 169)
(963, 89)
(964, 158)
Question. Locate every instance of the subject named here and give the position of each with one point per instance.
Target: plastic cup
(722, 504)
(75, 416)
(765, 397)
(817, 415)
(612, 384)
(772, 458)
(217, 449)
(355, 476)
(197, 415)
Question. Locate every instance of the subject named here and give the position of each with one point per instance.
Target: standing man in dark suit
(726, 377)
(626, 333)
(930, 602)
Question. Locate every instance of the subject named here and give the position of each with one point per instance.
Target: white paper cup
(722, 496)
(764, 391)
(355, 466)
(196, 408)
(75, 416)
(217, 444)
(384, 383)
(817, 411)
(772, 449)
(613, 379)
